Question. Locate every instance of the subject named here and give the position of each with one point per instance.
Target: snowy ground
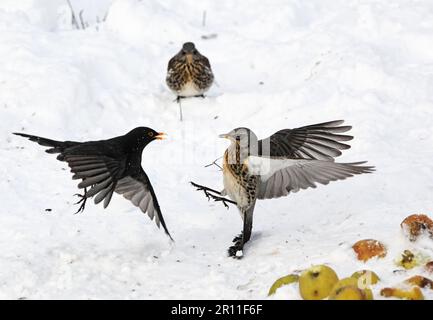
(278, 64)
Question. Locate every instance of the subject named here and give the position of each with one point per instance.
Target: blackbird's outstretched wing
(89, 162)
(319, 141)
(98, 172)
(138, 189)
(102, 168)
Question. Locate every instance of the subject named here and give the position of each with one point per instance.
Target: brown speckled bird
(287, 161)
(189, 73)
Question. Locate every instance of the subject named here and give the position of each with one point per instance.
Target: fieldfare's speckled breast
(189, 73)
(239, 184)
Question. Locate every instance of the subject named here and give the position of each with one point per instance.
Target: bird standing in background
(108, 166)
(189, 73)
(287, 161)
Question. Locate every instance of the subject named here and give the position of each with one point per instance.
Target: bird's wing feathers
(206, 62)
(101, 168)
(139, 191)
(280, 176)
(97, 172)
(319, 141)
(171, 63)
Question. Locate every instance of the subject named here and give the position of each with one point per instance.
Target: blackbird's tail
(55, 146)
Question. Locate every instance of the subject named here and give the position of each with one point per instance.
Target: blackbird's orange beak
(161, 136)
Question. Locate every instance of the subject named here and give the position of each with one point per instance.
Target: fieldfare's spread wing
(138, 189)
(319, 141)
(279, 176)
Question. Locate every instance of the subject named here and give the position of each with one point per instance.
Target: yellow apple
(317, 282)
(291, 278)
(348, 293)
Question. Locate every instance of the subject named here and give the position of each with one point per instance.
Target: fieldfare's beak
(225, 136)
(161, 136)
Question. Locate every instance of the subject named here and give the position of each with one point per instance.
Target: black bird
(189, 73)
(287, 161)
(108, 166)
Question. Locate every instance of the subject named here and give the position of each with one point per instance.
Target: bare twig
(74, 18)
(209, 36)
(203, 21)
(83, 25)
(214, 164)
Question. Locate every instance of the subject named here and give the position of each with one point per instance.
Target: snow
(278, 64)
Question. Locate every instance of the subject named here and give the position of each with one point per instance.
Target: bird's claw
(238, 237)
(209, 193)
(82, 201)
(222, 200)
(236, 251)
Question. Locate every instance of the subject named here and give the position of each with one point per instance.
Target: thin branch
(203, 22)
(214, 164)
(74, 18)
(83, 25)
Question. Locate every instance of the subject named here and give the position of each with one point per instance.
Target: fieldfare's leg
(178, 98)
(223, 200)
(180, 107)
(200, 96)
(83, 201)
(207, 191)
(244, 237)
(238, 237)
(237, 247)
(248, 224)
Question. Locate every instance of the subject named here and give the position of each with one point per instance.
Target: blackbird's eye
(150, 134)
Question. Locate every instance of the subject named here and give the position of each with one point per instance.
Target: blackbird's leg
(83, 201)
